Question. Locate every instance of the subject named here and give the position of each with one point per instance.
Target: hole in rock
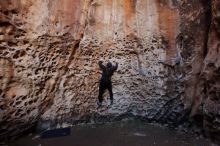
(2, 24)
(16, 55)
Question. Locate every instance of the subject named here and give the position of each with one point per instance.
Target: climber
(105, 82)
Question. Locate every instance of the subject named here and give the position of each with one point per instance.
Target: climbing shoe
(99, 103)
(111, 101)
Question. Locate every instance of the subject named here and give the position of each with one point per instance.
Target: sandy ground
(129, 133)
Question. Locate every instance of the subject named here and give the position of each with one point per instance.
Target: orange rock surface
(167, 53)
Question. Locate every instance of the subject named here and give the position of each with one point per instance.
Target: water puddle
(126, 133)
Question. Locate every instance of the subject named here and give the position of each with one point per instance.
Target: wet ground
(126, 133)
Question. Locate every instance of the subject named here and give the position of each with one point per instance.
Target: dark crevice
(208, 16)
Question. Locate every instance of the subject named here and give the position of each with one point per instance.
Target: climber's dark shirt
(107, 72)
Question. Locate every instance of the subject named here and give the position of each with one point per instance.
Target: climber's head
(109, 64)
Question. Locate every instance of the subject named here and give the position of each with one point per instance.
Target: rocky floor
(126, 133)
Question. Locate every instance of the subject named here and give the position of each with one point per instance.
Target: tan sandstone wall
(49, 50)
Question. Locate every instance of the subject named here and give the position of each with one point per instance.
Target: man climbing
(105, 82)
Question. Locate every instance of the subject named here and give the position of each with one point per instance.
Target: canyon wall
(211, 76)
(167, 52)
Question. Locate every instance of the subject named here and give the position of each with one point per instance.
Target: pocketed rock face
(49, 52)
(117, 32)
(36, 47)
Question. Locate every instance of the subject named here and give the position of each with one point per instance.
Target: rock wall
(49, 50)
(211, 74)
(38, 40)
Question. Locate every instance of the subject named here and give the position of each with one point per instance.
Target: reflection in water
(125, 133)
